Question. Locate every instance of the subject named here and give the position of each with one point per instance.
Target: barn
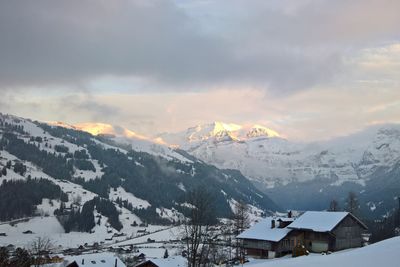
(323, 230)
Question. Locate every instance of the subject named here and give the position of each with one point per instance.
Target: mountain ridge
(148, 187)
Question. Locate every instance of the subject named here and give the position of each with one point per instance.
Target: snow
(217, 131)
(160, 235)
(95, 260)
(274, 160)
(188, 205)
(254, 213)
(384, 253)
(47, 207)
(176, 261)
(318, 221)
(88, 174)
(263, 231)
(40, 226)
(170, 214)
(55, 232)
(135, 201)
(181, 187)
(151, 148)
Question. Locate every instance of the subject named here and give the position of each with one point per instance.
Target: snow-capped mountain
(273, 162)
(263, 156)
(215, 132)
(72, 178)
(120, 135)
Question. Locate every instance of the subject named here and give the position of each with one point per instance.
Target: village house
(322, 231)
(93, 260)
(317, 231)
(176, 261)
(267, 238)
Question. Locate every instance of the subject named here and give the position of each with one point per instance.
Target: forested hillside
(152, 187)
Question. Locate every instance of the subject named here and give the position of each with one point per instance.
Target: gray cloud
(86, 104)
(283, 45)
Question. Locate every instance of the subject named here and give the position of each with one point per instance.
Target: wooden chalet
(93, 260)
(322, 231)
(267, 238)
(176, 261)
(317, 231)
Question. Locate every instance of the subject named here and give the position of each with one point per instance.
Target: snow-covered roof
(318, 221)
(286, 219)
(263, 231)
(177, 261)
(95, 260)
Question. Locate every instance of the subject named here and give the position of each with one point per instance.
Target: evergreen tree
(334, 205)
(4, 256)
(22, 258)
(352, 205)
(166, 254)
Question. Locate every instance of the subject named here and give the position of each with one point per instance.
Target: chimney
(83, 261)
(116, 262)
(272, 223)
(398, 198)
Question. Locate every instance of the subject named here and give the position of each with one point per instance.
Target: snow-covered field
(51, 228)
(382, 254)
(123, 195)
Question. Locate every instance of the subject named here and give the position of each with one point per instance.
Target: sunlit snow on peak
(97, 128)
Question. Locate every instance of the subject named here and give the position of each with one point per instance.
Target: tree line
(19, 198)
(379, 228)
(83, 220)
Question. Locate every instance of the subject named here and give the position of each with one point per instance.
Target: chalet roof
(104, 259)
(320, 221)
(263, 231)
(177, 261)
(285, 219)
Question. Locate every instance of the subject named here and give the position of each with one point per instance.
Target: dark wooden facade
(346, 234)
(267, 249)
(147, 263)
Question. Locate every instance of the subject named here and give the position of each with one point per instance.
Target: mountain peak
(217, 131)
(97, 128)
(258, 130)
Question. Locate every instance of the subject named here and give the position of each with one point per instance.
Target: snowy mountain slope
(84, 167)
(273, 160)
(383, 253)
(281, 167)
(128, 138)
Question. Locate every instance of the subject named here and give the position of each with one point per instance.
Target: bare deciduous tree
(241, 221)
(196, 227)
(40, 247)
(334, 205)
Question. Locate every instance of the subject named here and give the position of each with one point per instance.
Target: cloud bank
(282, 46)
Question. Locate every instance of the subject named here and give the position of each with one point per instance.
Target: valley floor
(50, 227)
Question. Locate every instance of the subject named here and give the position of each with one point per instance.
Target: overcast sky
(309, 69)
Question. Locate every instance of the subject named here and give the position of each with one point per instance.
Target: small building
(268, 238)
(93, 260)
(322, 231)
(176, 261)
(316, 231)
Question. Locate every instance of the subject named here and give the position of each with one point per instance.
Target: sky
(309, 69)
